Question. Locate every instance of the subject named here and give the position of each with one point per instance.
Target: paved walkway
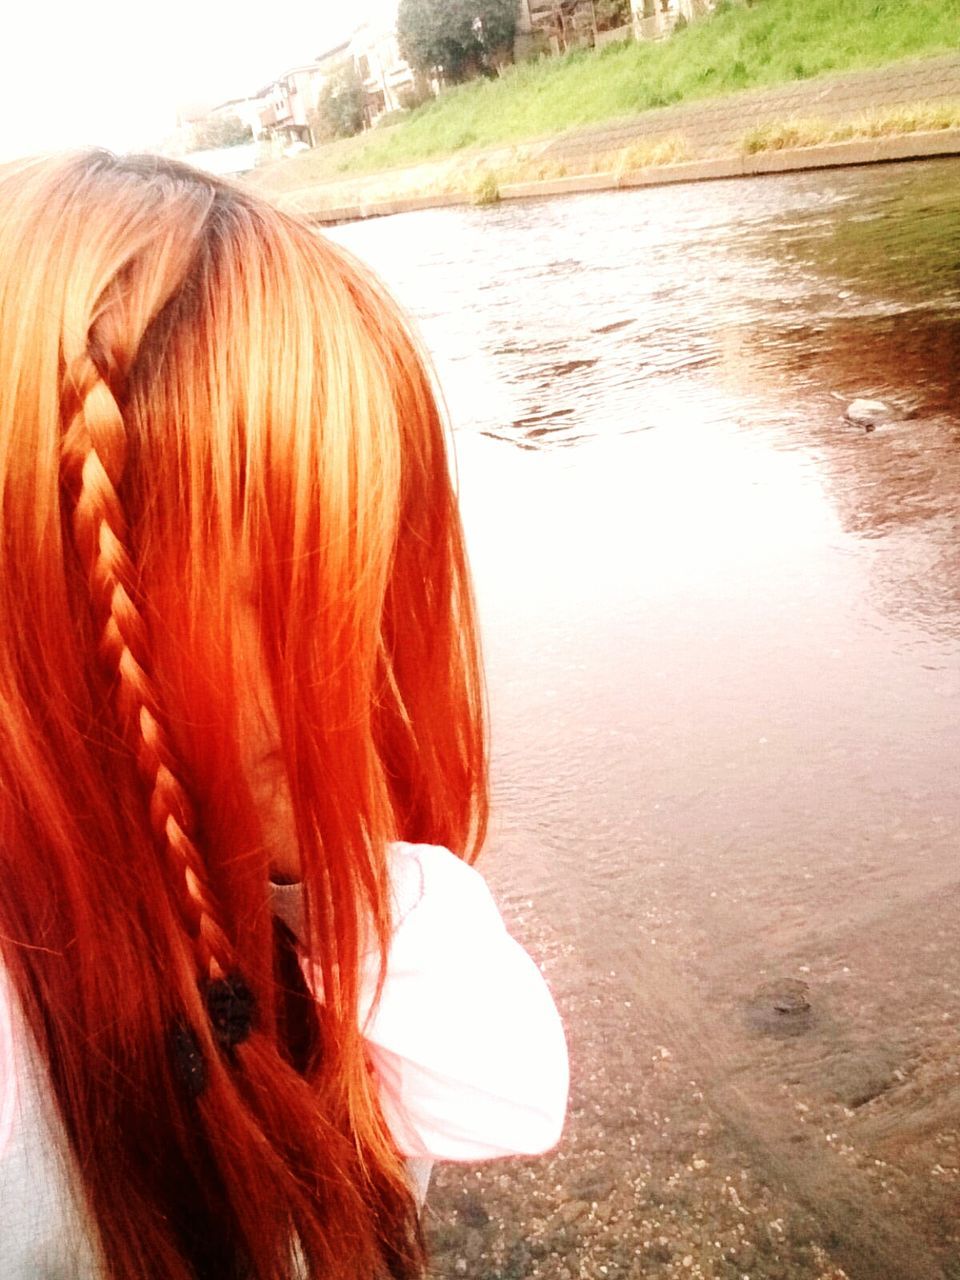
(716, 126)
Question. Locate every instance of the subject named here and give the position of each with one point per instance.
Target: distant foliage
(416, 94)
(340, 111)
(214, 132)
(496, 24)
(459, 38)
(769, 40)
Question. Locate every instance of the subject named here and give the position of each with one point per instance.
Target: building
(287, 104)
(555, 26)
(654, 19)
(248, 111)
(389, 83)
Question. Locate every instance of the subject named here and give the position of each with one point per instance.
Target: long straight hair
(214, 425)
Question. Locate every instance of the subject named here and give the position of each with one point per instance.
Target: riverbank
(721, 629)
(913, 146)
(910, 109)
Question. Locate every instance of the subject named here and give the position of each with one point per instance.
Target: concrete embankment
(712, 139)
(916, 146)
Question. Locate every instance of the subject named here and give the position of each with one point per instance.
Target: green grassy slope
(738, 47)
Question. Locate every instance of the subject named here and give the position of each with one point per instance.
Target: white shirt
(465, 1040)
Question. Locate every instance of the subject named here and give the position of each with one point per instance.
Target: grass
(921, 118)
(487, 190)
(639, 155)
(740, 46)
(486, 178)
(482, 179)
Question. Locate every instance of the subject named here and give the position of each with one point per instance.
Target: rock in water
(867, 413)
(781, 1007)
(786, 995)
(789, 996)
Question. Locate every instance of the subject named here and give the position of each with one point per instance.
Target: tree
(497, 26)
(213, 132)
(456, 37)
(438, 35)
(340, 109)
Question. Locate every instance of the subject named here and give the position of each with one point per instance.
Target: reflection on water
(722, 630)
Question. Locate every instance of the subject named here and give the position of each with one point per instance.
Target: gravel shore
(670, 1171)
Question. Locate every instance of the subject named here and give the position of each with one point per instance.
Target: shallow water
(722, 632)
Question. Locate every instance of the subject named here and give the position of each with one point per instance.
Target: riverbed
(722, 632)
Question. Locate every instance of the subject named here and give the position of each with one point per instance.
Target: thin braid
(93, 458)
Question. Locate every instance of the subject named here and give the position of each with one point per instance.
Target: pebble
(595, 1186)
(472, 1212)
(573, 1211)
(473, 1245)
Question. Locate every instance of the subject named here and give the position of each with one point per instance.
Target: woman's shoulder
(428, 877)
(465, 1036)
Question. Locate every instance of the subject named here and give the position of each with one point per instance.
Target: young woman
(243, 978)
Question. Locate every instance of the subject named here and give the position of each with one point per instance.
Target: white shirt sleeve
(8, 1075)
(466, 1040)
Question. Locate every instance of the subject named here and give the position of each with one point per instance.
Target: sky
(114, 72)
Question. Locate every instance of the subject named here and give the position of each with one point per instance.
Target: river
(722, 631)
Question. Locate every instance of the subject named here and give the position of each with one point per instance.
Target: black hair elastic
(230, 1005)
(189, 1065)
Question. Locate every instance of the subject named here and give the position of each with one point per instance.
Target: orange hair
(208, 412)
